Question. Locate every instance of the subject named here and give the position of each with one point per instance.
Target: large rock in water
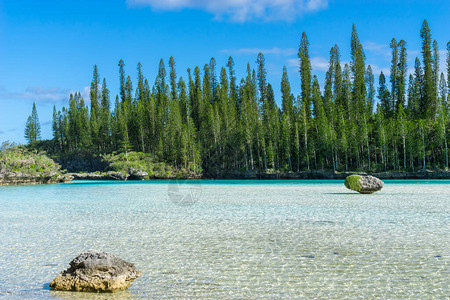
(94, 271)
(363, 184)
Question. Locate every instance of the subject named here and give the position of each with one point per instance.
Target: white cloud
(37, 93)
(414, 53)
(377, 49)
(240, 10)
(318, 63)
(255, 51)
(293, 62)
(384, 50)
(376, 69)
(85, 94)
(43, 95)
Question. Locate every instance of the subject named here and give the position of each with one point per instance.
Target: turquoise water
(232, 239)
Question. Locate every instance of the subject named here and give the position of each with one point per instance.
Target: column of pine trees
(213, 122)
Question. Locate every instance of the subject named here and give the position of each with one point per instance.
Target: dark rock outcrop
(134, 174)
(363, 184)
(137, 174)
(94, 271)
(323, 175)
(100, 176)
(15, 178)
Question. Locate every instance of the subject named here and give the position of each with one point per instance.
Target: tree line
(213, 122)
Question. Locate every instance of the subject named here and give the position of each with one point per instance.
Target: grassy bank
(20, 165)
(144, 162)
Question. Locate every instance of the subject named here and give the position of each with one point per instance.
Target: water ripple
(284, 240)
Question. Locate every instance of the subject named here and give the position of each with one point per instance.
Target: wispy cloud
(377, 49)
(85, 93)
(43, 95)
(318, 63)
(240, 10)
(293, 62)
(9, 130)
(376, 69)
(255, 51)
(38, 94)
(383, 55)
(414, 53)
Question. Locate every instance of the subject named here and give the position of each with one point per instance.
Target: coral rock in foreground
(363, 184)
(94, 271)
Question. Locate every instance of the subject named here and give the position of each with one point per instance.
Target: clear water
(232, 239)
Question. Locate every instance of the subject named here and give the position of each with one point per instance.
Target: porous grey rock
(117, 175)
(94, 271)
(366, 184)
(111, 175)
(16, 178)
(137, 174)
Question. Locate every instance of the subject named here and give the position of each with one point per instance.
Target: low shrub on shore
(31, 163)
(123, 162)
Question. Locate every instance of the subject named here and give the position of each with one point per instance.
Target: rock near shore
(16, 178)
(100, 176)
(363, 184)
(94, 271)
(137, 174)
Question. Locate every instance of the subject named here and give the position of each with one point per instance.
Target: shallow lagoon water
(232, 239)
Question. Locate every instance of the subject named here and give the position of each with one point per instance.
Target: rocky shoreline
(422, 174)
(18, 178)
(99, 176)
(21, 166)
(305, 175)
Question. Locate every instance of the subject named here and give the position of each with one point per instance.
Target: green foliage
(7, 145)
(353, 182)
(123, 162)
(32, 163)
(216, 123)
(33, 127)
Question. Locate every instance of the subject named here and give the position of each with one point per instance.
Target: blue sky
(48, 48)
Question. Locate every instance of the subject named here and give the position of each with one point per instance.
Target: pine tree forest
(210, 121)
